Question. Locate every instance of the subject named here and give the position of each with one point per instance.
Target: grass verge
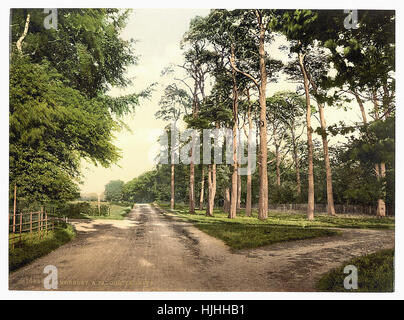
(293, 219)
(117, 213)
(246, 232)
(375, 274)
(32, 247)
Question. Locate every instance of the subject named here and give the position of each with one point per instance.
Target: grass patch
(32, 247)
(248, 232)
(117, 213)
(247, 236)
(375, 274)
(292, 219)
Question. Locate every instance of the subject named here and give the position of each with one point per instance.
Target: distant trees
(113, 190)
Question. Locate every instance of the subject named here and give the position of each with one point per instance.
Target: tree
(113, 190)
(175, 103)
(365, 63)
(60, 112)
(257, 21)
(300, 29)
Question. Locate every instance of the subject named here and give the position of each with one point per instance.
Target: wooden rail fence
(30, 222)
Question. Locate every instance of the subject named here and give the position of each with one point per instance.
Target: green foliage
(113, 190)
(79, 210)
(59, 110)
(85, 48)
(115, 212)
(375, 274)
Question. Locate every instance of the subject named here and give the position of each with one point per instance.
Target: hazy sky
(158, 32)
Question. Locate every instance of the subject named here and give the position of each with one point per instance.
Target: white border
(318, 4)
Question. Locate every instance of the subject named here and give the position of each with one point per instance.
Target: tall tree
(173, 104)
(60, 112)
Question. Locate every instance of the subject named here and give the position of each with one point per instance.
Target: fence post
(30, 222)
(20, 226)
(99, 205)
(46, 221)
(40, 223)
(15, 206)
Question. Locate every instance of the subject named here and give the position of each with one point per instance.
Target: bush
(82, 209)
(375, 274)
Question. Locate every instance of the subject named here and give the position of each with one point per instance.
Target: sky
(158, 33)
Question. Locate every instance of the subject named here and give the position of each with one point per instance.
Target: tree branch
(24, 34)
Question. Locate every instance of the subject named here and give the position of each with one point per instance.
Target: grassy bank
(32, 247)
(375, 274)
(248, 232)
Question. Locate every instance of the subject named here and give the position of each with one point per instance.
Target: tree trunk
(330, 197)
(226, 203)
(211, 189)
(310, 173)
(172, 202)
(249, 180)
(191, 188)
(238, 192)
(278, 166)
(362, 108)
(202, 188)
(192, 165)
(208, 207)
(214, 184)
(380, 169)
(381, 205)
(234, 178)
(263, 157)
(296, 160)
(24, 34)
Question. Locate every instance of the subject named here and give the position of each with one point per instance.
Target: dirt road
(150, 251)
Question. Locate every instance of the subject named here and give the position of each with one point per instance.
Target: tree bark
(296, 159)
(263, 156)
(24, 34)
(381, 205)
(192, 165)
(191, 188)
(226, 203)
(249, 180)
(310, 173)
(380, 169)
(362, 108)
(330, 197)
(202, 188)
(328, 173)
(172, 202)
(238, 192)
(277, 160)
(234, 178)
(208, 207)
(211, 189)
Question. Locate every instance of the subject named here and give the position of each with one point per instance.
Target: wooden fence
(30, 222)
(322, 208)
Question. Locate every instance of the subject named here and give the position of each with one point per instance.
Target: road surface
(150, 251)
